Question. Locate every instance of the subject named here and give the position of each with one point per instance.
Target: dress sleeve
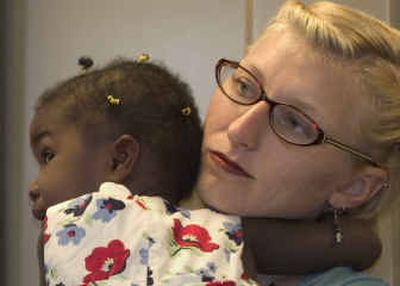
(64, 243)
(77, 230)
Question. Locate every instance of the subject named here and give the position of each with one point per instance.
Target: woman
(307, 123)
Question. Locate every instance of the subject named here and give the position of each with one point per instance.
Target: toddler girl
(135, 124)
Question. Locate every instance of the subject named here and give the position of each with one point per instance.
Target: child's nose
(247, 130)
(33, 191)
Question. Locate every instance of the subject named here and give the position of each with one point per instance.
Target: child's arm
(298, 247)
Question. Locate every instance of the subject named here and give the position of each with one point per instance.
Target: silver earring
(337, 231)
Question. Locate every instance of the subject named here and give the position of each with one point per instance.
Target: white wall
(47, 37)
(15, 69)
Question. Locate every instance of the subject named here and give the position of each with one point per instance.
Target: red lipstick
(229, 166)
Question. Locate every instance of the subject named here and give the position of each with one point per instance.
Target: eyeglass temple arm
(349, 149)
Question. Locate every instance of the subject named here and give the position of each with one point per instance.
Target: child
(135, 124)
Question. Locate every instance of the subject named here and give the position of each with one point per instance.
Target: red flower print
(141, 204)
(78, 206)
(104, 262)
(245, 277)
(221, 283)
(193, 235)
(45, 236)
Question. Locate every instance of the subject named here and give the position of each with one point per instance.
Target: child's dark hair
(141, 99)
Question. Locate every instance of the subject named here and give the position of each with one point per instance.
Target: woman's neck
(192, 202)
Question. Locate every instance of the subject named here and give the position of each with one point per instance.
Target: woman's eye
(245, 87)
(296, 124)
(293, 125)
(46, 156)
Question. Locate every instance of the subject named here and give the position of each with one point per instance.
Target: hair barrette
(113, 101)
(85, 63)
(142, 58)
(186, 111)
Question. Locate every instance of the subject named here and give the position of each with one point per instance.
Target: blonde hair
(373, 50)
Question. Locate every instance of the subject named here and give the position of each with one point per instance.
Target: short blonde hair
(373, 50)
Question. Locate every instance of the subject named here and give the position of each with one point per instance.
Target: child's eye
(46, 156)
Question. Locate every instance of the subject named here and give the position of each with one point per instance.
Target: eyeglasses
(288, 122)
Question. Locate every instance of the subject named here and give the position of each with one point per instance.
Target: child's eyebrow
(37, 136)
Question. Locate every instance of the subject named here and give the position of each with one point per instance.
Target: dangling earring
(337, 231)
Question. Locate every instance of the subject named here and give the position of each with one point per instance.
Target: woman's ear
(124, 154)
(362, 187)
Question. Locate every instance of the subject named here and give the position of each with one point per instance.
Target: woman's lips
(228, 165)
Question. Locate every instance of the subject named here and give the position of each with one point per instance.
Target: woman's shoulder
(342, 276)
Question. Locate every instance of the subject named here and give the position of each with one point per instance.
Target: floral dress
(113, 238)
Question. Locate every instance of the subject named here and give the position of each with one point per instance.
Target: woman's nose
(247, 130)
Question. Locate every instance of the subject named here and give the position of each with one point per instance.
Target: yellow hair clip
(143, 58)
(186, 111)
(113, 100)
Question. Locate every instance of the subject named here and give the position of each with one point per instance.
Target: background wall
(14, 188)
(44, 39)
(2, 128)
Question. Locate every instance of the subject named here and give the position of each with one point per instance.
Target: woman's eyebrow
(254, 71)
(303, 105)
(286, 96)
(299, 101)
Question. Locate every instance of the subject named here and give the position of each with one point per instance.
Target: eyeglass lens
(287, 122)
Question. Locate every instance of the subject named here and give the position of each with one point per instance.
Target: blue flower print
(234, 232)
(106, 209)
(227, 253)
(212, 267)
(207, 273)
(70, 233)
(144, 256)
(144, 251)
(78, 206)
(185, 213)
(171, 209)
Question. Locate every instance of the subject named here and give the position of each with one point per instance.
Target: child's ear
(366, 184)
(124, 155)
